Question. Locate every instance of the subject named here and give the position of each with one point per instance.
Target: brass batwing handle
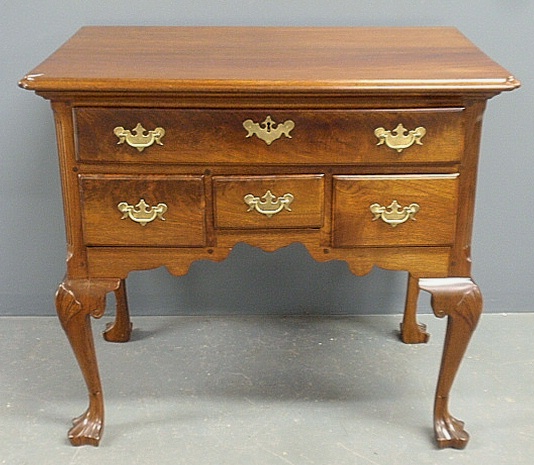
(142, 213)
(139, 137)
(268, 131)
(269, 204)
(400, 138)
(394, 214)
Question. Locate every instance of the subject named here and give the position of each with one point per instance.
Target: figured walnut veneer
(176, 143)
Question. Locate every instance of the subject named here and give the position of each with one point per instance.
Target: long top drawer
(268, 137)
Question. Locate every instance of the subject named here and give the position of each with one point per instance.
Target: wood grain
(331, 137)
(433, 224)
(170, 59)
(306, 209)
(103, 223)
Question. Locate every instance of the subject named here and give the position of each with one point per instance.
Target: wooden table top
(177, 59)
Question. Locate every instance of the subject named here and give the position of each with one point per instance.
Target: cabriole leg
(411, 331)
(460, 300)
(121, 329)
(76, 301)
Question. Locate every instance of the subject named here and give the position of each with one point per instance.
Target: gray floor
(267, 390)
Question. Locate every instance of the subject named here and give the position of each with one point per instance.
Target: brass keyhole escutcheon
(268, 131)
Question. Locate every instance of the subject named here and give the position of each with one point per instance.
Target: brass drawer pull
(400, 138)
(269, 205)
(138, 138)
(268, 131)
(142, 213)
(394, 214)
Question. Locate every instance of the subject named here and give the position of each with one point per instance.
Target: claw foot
(461, 301)
(86, 429)
(118, 333)
(450, 433)
(121, 329)
(414, 334)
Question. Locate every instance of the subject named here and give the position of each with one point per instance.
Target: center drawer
(152, 210)
(269, 137)
(266, 202)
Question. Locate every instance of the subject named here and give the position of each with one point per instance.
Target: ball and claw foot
(461, 301)
(414, 333)
(86, 429)
(118, 332)
(450, 432)
(121, 329)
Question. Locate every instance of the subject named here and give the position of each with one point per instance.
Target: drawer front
(266, 202)
(148, 211)
(268, 137)
(394, 210)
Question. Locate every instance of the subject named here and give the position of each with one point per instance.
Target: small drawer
(268, 137)
(394, 210)
(157, 211)
(266, 202)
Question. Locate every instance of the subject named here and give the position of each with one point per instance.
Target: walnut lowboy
(368, 161)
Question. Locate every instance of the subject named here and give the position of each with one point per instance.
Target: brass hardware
(394, 214)
(137, 137)
(400, 138)
(142, 213)
(268, 131)
(269, 205)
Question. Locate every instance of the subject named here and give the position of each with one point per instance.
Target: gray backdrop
(32, 250)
